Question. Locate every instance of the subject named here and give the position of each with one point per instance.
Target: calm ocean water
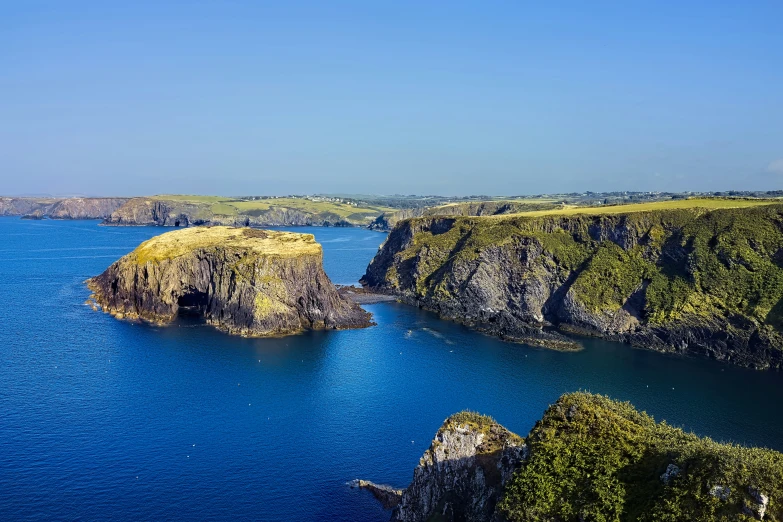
(107, 420)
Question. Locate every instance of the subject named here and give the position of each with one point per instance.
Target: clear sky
(131, 98)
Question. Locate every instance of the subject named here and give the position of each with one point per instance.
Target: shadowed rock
(462, 474)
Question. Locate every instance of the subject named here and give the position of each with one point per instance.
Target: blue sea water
(103, 419)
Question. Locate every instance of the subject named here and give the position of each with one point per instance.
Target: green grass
(190, 198)
(253, 242)
(706, 203)
(694, 261)
(591, 458)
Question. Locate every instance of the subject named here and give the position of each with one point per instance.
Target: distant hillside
(181, 210)
(60, 208)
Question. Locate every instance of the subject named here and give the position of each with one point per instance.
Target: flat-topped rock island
(244, 281)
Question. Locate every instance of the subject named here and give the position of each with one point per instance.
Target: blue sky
(389, 97)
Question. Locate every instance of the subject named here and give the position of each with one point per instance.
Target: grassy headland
(225, 206)
(591, 458)
(702, 276)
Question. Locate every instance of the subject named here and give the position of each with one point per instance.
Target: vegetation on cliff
(693, 278)
(184, 210)
(589, 459)
(245, 281)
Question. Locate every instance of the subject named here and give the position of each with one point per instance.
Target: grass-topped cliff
(245, 281)
(589, 459)
(702, 276)
(252, 241)
(185, 210)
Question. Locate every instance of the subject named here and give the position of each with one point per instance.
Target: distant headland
(377, 212)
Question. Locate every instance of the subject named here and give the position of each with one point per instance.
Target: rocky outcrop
(691, 281)
(244, 281)
(461, 476)
(60, 208)
(388, 496)
(588, 458)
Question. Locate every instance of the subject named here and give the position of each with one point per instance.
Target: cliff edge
(244, 281)
(694, 281)
(589, 458)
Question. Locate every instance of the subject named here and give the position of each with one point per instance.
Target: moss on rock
(703, 280)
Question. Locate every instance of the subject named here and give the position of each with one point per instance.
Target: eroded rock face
(461, 475)
(159, 211)
(244, 281)
(694, 281)
(588, 458)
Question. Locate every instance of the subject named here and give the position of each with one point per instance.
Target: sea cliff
(184, 211)
(694, 281)
(60, 208)
(588, 458)
(244, 281)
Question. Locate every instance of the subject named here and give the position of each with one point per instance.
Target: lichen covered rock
(244, 281)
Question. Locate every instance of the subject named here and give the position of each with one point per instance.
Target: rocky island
(588, 458)
(701, 277)
(244, 281)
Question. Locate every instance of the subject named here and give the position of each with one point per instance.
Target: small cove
(105, 419)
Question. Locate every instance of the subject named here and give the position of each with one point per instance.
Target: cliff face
(461, 476)
(85, 208)
(683, 281)
(589, 458)
(244, 281)
(160, 211)
(61, 208)
(150, 211)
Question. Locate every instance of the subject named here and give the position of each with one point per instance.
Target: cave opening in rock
(192, 303)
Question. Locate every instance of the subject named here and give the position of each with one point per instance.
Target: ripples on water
(103, 419)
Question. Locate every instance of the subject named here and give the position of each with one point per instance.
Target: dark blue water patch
(103, 419)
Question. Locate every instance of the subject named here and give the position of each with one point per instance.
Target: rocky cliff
(174, 212)
(244, 281)
(588, 458)
(388, 220)
(462, 475)
(688, 281)
(61, 208)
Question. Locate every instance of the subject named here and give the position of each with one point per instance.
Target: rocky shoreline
(691, 282)
(588, 458)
